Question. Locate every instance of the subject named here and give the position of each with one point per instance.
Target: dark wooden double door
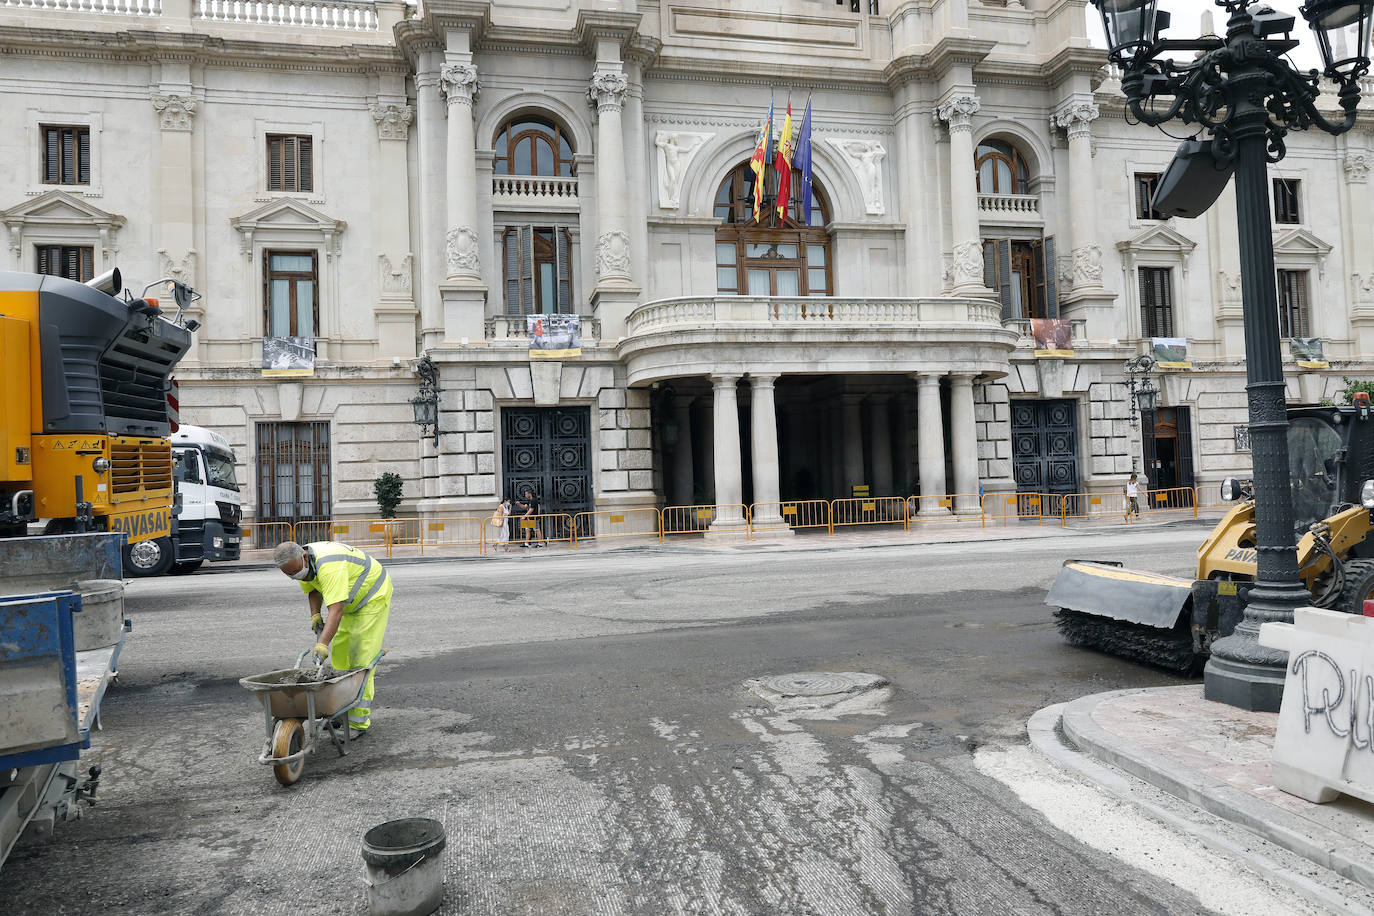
(548, 449)
(1044, 447)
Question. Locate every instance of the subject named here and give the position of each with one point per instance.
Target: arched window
(530, 145)
(774, 256)
(1001, 169)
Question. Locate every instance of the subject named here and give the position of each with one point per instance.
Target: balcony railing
(1022, 326)
(811, 310)
(346, 15)
(1009, 204)
(534, 188)
(516, 328)
(105, 7)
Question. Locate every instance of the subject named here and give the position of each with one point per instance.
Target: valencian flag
(760, 161)
(783, 164)
(802, 160)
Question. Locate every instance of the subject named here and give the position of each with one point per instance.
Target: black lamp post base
(1245, 685)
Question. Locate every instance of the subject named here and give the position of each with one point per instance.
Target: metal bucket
(405, 871)
(101, 619)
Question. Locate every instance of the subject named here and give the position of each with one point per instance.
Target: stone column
(615, 293)
(464, 295)
(707, 472)
(395, 309)
(958, 112)
(1355, 196)
(765, 452)
(964, 433)
(880, 446)
(729, 473)
(176, 111)
(853, 444)
(682, 457)
(930, 432)
(1076, 119)
(430, 127)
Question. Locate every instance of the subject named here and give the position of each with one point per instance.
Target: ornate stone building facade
(396, 181)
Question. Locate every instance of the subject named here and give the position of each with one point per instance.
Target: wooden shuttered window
(1156, 302)
(1286, 201)
(74, 262)
(290, 165)
(1295, 316)
(538, 270)
(1146, 183)
(66, 155)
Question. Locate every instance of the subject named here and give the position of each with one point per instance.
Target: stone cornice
(950, 52)
(414, 38)
(908, 68)
(471, 16)
(1070, 60)
(599, 25)
(670, 67)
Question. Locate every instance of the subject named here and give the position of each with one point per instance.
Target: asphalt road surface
(597, 736)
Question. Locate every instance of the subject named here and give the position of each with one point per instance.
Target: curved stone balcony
(700, 335)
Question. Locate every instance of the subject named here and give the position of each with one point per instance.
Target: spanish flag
(783, 165)
(759, 163)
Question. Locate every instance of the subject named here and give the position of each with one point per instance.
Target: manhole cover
(822, 683)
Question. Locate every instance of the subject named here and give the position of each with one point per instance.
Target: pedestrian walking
(354, 591)
(1132, 498)
(498, 527)
(529, 509)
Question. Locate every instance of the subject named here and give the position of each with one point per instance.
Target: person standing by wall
(1132, 498)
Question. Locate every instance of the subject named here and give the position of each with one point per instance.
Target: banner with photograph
(554, 336)
(1308, 352)
(1053, 337)
(1171, 352)
(285, 357)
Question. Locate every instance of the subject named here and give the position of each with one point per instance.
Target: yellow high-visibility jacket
(346, 574)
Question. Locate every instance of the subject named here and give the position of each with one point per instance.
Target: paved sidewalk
(1210, 755)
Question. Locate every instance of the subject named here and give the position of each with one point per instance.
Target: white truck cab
(207, 525)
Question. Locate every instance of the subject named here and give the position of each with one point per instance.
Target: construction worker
(354, 591)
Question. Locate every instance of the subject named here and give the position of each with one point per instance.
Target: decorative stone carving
(459, 84)
(1087, 265)
(607, 91)
(1364, 288)
(958, 112)
(176, 112)
(460, 247)
(1076, 119)
(968, 263)
(393, 121)
(1357, 168)
(1230, 288)
(865, 158)
(395, 281)
(675, 152)
(613, 254)
(182, 269)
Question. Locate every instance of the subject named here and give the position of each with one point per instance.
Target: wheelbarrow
(298, 705)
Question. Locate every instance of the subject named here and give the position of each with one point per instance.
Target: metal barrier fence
(263, 535)
(545, 529)
(1178, 500)
(956, 507)
(462, 531)
(617, 523)
(734, 518)
(1006, 507)
(790, 516)
(869, 510)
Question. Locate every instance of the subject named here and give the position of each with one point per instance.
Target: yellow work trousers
(356, 644)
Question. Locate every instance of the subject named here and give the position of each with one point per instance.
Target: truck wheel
(185, 569)
(148, 558)
(1359, 586)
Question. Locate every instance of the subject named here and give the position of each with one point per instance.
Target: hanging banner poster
(285, 357)
(1308, 352)
(554, 336)
(1053, 337)
(1171, 352)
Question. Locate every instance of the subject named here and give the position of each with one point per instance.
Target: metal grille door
(1044, 437)
(293, 472)
(549, 450)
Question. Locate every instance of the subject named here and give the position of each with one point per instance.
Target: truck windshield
(1312, 448)
(221, 469)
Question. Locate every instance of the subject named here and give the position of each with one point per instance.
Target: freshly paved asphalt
(585, 728)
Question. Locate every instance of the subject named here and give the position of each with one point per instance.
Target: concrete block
(636, 460)
(633, 419)
(982, 412)
(481, 485)
(613, 438)
(608, 418)
(497, 380)
(638, 438)
(480, 442)
(608, 459)
(1104, 465)
(477, 399)
(641, 480)
(484, 421)
(987, 450)
(1121, 464)
(1099, 447)
(486, 463)
(459, 421)
(637, 398)
(614, 480)
(1001, 412)
(997, 470)
(1095, 410)
(452, 443)
(1003, 448)
(453, 485)
(1099, 428)
(611, 397)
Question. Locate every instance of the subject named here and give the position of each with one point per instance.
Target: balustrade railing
(347, 15)
(808, 310)
(534, 186)
(1023, 327)
(105, 7)
(516, 327)
(1009, 204)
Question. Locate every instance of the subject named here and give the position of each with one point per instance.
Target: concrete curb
(1046, 737)
(1293, 832)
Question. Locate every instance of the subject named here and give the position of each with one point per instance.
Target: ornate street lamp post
(426, 403)
(1246, 97)
(1144, 394)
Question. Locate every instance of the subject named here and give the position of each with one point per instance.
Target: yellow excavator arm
(1229, 551)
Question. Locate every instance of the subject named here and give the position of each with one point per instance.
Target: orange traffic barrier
(541, 530)
(1175, 500)
(263, 535)
(869, 510)
(461, 531)
(1005, 507)
(955, 507)
(734, 518)
(789, 516)
(640, 522)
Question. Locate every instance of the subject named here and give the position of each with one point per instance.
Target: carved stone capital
(958, 112)
(393, 121)
(459, 84)
(606, 91)
(613, 254)
(176, 112)
(460, 249)
(1076, 119)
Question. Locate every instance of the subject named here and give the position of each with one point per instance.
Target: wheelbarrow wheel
(288, 738)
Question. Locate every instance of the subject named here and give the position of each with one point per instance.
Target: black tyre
(148, 558)
(1359, 586)
(185, 569)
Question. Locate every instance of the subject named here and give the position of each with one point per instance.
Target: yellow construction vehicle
(1172, 622)
(84, 425)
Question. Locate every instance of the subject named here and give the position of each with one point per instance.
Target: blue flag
(802, 160)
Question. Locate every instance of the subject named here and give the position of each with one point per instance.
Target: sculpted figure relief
(613, 254)
(865, 158)
(461, 251)
(675, 152)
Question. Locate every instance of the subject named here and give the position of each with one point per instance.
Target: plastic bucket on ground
(405, 871)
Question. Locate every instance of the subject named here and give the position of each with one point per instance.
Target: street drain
(821, 683)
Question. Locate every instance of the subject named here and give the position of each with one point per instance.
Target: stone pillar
(682, 456)
(176, 111)
(615, 293)
(707, 472)
(430, 127)
(765, 452)
(729, 473)
(958, 112)
(835, 420)
(395, 309)
(1076, 119)
(930, 432)
(1355, 196)
(880, 446)
(464, 295)
(964, 433)
(853, 444)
